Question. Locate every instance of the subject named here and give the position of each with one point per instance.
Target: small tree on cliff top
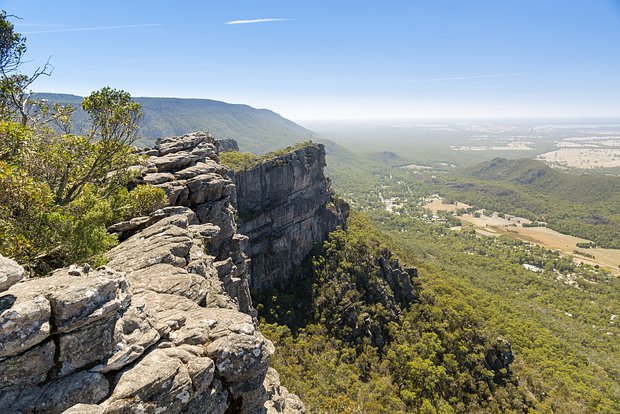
(15, 94)
(104, 156)
(58, 190)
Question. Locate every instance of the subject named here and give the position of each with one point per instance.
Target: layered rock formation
(226, 145)
(167, 326)
(286, 207)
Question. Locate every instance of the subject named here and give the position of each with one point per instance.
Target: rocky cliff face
(167, 326)
(285, 207)
(226, 145)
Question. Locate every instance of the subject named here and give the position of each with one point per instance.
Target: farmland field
(512, 226)
(546, 237)
(586, 158)
(436, 204)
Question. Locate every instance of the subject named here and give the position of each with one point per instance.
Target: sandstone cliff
(167, 326)
(286, 207)
(226, 145)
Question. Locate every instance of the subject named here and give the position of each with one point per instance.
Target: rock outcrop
(365, 301)
(10, 273)
(286, 207)
(167, 326)
(227, 145)
(188, 169)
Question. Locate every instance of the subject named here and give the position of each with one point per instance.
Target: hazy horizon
(348, 60)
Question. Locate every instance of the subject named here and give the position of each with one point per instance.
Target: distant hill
(540, 178)
(584, 205)
(256, 130)
(523, 171)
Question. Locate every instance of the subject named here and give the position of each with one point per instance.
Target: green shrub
(239, 161)
(144, 199)
(78, 232)
(243, 161)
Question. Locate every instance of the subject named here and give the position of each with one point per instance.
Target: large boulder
(10, 273)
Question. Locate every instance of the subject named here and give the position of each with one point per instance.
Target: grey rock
(206, 166)
(168, 324)
(125, 226)
(159, 383)
(10, 273)
(73, 389)
(78, 301)
(215, 400)
(126, 229)
(56, 396)
(85, 409)
(158, 178)
(167, 241)
(174, 161)
(86, 346)
(208, 187)
(280, 400)
(29, 367)
(499, 357)
(286, 206)
(134, 333)
(24, 320)
(401, 281)
(227, 145)
(168, 145)
(165, 278)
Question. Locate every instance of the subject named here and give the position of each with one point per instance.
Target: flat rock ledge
(166, 327)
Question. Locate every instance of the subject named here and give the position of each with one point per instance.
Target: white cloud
(500, 75)
(256, 21)
(94, 28)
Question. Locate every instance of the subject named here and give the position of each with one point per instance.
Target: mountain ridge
(257, 130)
(527, 172)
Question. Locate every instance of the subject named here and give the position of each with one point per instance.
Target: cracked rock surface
(167, 326)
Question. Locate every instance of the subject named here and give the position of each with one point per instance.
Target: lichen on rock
(168, 324)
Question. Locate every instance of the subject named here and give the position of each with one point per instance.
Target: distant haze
(345, 59)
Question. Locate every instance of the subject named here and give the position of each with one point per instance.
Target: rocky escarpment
(166, 326)
(285, 207)
(360, 304)
(227, 145)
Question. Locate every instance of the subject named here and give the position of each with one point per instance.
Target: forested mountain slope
(256, 130)
(357, 331)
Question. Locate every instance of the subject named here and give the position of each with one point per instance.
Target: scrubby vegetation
(472, 289)
(59, 191)
(561, 321)
(243, 161)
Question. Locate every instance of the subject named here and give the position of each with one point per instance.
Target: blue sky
(339, 59)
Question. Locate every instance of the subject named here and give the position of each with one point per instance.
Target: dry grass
(608, 258)
(546, 237)
(512, 226)
(586, 158)
(494, 220)
(436, 204)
